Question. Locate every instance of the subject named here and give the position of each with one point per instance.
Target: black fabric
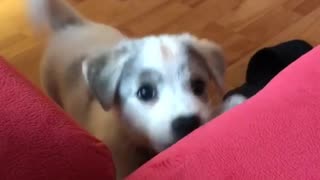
(267, 63)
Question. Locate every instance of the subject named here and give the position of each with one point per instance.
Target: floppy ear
(212, 57)
(102, 73)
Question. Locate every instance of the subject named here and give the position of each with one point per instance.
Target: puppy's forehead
(168, 55)
(161, 51)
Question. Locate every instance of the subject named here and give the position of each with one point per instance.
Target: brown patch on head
(195, 56)
(202, 61)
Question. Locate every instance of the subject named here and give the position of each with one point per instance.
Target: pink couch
(274, 135)
(39, 142)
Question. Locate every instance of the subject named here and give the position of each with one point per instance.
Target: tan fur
(63, 79)
(62, 52)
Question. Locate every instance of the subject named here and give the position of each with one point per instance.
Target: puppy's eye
(147, 92)
(198, 86)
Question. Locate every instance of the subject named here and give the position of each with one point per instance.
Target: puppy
(156, 86)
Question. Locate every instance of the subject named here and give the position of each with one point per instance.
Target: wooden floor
(240, 26)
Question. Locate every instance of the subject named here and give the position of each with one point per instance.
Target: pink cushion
(38, 141)
(274, 135)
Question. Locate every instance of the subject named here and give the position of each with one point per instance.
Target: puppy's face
(160, 84)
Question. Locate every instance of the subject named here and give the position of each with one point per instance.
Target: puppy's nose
(183, 125)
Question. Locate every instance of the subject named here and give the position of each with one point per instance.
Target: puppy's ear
(213, 58)
(102, 73)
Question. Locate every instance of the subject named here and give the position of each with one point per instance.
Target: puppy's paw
(233, 101)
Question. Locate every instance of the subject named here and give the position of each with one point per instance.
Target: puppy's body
(62, 65)
(62, 79)
(89, 68)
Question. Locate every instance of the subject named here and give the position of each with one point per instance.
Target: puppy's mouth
(163, 147)
(181, 127)
(166, 146)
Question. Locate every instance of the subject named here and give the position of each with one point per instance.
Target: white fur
(141, 123)
(175, 100)
(233, 101)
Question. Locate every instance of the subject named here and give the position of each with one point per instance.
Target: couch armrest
(274, 135)
(38, 141)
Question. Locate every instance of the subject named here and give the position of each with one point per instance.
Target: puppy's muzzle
(184, 125)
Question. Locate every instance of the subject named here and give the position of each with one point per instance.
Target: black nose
(183, 125)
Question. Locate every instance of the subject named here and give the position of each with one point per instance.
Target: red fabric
(37, 140)
(274, 135)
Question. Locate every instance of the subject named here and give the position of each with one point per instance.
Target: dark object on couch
(267, 63)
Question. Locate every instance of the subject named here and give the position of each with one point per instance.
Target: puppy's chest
(106, 127)
(127, 158)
